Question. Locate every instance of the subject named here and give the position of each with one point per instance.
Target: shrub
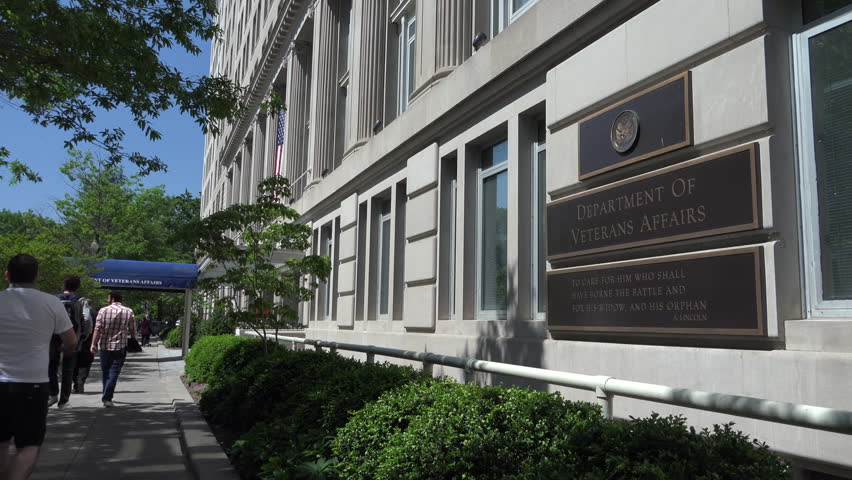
(214, 357)
(664, 447)
(443, 430)
(237, 358)
(174, 338)
(292, 403)
(446, 430)
(217, 323)
(164, 333)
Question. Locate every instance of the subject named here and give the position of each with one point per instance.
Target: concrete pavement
(154, 431)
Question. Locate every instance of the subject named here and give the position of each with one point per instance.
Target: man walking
(74, 306)
(28, 320)
(84, 353)
(110, 337)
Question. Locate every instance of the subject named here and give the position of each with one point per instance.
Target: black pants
(68, 362)
(146, 340)
(84, 362)
(23, 413)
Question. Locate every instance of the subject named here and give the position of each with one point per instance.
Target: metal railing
(606, 388)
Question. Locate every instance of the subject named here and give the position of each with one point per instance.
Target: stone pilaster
(443, 40)
(259, 150)
(297, 101)
(323, 90)
(368, 76)
(453, 36)
(421, 237)
(347, 262)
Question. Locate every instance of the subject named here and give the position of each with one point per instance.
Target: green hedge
(164, 333)
(445, 430)
(217, 323)
(318, 415)
(292, 402)
(215, 357)
(173, 339)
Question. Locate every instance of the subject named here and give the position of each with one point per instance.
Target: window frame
(536, 290)
(327, 248)
(481, 176)
(815, 305)
(406, 18)
(503, 14)
(382, 250)
(452, 254)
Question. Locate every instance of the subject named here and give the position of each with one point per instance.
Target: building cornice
(282, 36)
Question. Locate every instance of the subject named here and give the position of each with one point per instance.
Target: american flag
(278, 166)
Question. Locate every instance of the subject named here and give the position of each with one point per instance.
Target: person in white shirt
(28, 319)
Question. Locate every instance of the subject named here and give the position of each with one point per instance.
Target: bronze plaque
(614, 137)
(706, 196)
(624, 131)
(717, 293)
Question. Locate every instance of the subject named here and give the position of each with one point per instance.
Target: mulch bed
(194, 388)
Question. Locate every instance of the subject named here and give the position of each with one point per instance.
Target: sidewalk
(140, 438)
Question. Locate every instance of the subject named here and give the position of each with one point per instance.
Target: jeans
(69, 362)
(111, 363)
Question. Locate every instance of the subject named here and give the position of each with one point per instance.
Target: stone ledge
(822, 335)
(204, 455)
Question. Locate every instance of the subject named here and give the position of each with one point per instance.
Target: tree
(109, 214)
(62, 61)
(241, 241)
(27, 232)
(27, 223)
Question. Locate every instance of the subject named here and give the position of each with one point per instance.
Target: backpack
(74, 306)
(88, 319)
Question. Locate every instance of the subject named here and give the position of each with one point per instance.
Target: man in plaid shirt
(110, 337)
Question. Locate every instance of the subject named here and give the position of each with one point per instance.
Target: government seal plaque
(624, 131)
(611, 138)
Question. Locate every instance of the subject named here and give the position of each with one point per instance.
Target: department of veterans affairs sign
(701, 197)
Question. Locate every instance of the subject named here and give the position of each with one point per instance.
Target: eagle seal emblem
(624, 131)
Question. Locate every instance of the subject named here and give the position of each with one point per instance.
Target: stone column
(323, 90)
(368, 73)
(298, 76)
(269, 145)
(453, 37)
(248, 167)
(443, 40)
(259, 151)
(236, 181)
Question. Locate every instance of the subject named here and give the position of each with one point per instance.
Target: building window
(407, 24)
(452, 212)
(539, 221)
(327, 249)
(504, 12)
(813, 10)
(384, 250)
(492, 223)
(824, 91)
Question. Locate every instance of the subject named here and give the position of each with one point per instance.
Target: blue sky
(181, 148)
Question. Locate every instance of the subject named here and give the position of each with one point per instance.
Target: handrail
(605, 388)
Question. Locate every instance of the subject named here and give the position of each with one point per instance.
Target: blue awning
(136, 275)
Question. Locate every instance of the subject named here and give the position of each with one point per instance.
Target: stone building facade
(651, 190)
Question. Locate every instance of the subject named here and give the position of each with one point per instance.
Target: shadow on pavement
(138, 439)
